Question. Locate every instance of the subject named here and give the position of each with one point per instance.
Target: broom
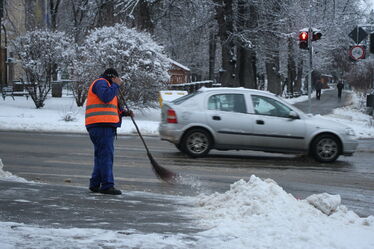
(161, 172)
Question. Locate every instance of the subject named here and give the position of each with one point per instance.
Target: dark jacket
(318, 85)
(340, 86)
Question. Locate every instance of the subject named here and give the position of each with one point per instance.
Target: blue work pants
(102, 138)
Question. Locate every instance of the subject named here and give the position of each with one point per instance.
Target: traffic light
(303, 40)
(303, 37)
(316, 36)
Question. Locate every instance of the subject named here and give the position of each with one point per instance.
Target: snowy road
(66, 160)
(59, 212)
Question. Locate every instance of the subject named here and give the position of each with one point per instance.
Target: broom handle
(136, 126)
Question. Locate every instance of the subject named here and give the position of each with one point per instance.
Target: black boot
(94, 189)
(111, 191)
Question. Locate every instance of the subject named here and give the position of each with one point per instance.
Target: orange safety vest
(99, 112)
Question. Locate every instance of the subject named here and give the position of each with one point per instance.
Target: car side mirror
(293, 115)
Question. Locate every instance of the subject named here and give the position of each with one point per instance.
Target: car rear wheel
(325, 148)
(196, 143)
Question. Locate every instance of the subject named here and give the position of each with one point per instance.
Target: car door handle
(216, 118)
(260, 122)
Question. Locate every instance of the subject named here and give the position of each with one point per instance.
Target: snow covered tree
(81, 73)
(254, 43)
(361, 76)
(185, 28)
(39, 52)
(139, 60)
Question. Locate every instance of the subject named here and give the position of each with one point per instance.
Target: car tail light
(171, 117)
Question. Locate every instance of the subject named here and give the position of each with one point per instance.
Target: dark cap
(110, 73)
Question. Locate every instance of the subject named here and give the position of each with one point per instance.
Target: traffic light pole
(310, 73)
(310, 47)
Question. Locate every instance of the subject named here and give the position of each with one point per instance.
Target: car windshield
(184, 98)
(268, 106)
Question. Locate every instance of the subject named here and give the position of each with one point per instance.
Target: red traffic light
(303, 36)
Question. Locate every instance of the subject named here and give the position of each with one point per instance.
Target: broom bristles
(163, 173)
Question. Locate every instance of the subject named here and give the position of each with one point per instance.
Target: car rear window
(184, 98)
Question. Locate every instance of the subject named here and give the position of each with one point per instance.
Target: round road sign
(357, 52)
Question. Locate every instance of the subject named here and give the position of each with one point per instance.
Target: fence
(193, 86)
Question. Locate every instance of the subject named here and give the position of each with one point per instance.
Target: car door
(273, 127)
(227, 116)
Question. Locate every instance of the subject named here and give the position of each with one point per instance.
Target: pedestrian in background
(340, 87)
(318, 89)
(103, 117)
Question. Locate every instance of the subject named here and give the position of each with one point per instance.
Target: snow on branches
(41, 52)
(139, 60)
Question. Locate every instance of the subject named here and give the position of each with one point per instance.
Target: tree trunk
(291, 68)
(299, 77)
(212, 55)
(53, 10)
(224, 17)
(272, 72)
(106, 15)
(143, 21)
(246, 64)
(247, 68)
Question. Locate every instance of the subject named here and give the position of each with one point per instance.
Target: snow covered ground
(21, 114)
(253, 214)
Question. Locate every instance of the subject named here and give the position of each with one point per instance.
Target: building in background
(17, 17)
(179, 73)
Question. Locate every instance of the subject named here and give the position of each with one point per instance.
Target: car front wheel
(325, 148)
(196, 143)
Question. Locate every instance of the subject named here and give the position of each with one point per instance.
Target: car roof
(238, 89)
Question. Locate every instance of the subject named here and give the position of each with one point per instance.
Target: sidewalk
(75, 207)
(328, 102)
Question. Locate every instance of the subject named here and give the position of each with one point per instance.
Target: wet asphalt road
(63, 163)
(67, 160)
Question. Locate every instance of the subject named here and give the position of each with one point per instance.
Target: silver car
(247, 119)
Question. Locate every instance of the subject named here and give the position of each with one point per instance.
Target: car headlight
(350, 132)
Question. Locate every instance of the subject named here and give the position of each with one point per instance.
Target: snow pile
(361, 123)
(260, 214)
(325, 202)
(5, 175)
(256, 214)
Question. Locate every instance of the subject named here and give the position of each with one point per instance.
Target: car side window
(267, 106)
(227, 103)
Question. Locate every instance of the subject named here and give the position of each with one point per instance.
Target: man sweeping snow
(103, 117)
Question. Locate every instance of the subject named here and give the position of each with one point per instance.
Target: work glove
(127, 113)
